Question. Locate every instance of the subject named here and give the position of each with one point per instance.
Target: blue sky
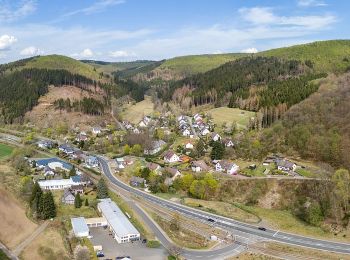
(123, 30)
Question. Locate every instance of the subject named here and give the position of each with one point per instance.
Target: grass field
(285, 221)
(5, 150)
(14, 224)
(228, 115)
(222, 208)
(47, 246)
(134, 113)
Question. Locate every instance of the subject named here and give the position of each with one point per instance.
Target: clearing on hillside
(45, 115)
(14, 224)
(48, 245)
(228, 115)
(5, 150)
(134, 113)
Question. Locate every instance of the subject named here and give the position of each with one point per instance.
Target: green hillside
(192, 64)
(327, 56)
(65, 63)
(110, 67)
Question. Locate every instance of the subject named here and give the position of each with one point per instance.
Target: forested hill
(266, 84)
(23, 82)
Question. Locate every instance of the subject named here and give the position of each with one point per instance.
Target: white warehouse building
(80, 228)
(123, 231)
(56, 184)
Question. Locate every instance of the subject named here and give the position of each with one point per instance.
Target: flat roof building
(56, 184)
(123, 231)
(80, 227)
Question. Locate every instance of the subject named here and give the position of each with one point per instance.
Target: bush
(153, 243)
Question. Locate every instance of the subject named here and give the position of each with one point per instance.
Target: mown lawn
(134, 113)
(5, 150)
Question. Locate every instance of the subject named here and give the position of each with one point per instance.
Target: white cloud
(250, 50)
(309, 3)
(265, 16)
(10, 13)
(6, 41)
(122, 54)
(86, 53)
(31, 51)
(258, 15)
(96, 7)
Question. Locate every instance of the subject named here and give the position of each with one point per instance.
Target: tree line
(41, 203)
(88, 106)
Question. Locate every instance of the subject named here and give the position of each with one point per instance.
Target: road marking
(276, 233)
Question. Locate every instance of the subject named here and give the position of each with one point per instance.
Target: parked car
(262, 228)
(100, 254)
(211, 220)
(144, 241)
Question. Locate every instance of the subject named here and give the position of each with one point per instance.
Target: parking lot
(136, 250)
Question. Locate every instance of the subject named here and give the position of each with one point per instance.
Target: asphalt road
(230, 224)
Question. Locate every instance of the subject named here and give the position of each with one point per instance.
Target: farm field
(47, 246)
(5, 150)
(14, 224)
(134, 113)
(228, 115)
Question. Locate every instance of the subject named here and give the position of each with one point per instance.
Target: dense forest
(266, 84)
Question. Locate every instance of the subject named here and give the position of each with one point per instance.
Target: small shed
(80, 227)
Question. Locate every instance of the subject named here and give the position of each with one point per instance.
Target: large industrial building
(112, 217)
(123, 231)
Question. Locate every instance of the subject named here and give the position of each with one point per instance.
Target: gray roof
(285, 164)
(79, 225)
(116, 218)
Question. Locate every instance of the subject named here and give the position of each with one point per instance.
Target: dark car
(262, 228)
(100, 254)
(144, 241)
(211, 220)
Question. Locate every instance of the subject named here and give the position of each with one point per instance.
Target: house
(155, 147)
(142, 124)
(96, 130)
(153, 166)
(205, 131)
(171, 157)
(66, 148)
(181, 118)
(45, 144)
(137, 181)
(215, 137)
(136, 131)
(189, 145)
(92, 162)
(197, 117)
(168, 181)
(285, 165)
(78, 154)
(120, 163)
(228, 142)
(199, 166)
(226, 166)
(53, 163)
(75, 189)
(186, 132)
(68, 197)
(48, 171)
(81, 137)
(173, 171)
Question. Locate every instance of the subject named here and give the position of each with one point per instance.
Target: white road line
(276, 233)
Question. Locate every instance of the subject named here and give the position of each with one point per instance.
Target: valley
(260, 139)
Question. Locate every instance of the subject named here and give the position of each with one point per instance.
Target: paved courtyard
(136, 250)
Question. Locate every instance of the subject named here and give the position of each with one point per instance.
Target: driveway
(135, 250)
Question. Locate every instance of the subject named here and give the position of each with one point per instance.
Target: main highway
(230, 224)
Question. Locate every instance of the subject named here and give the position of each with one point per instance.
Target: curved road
(230, 224)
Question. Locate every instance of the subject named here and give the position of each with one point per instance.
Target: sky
(125, 30)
